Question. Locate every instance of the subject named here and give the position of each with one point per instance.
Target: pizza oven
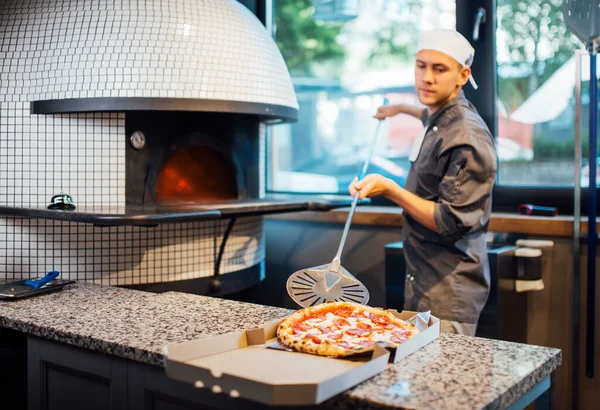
(150, 118)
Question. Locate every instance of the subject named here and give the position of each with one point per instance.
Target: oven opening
(196, 174)
(187, 158)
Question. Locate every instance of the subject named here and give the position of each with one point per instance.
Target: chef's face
(438, 78)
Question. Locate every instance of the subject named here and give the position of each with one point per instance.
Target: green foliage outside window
(538, 43)
(304, 42)
(315, 49)
(534, 36)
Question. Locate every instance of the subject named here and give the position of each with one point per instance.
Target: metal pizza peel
(332, 282)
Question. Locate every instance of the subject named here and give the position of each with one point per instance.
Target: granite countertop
(453, 372)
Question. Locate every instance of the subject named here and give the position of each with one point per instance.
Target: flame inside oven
(196, 174)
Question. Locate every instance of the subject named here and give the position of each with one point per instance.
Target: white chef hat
(449, 42)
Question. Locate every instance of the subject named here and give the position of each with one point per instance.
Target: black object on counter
(528, 209)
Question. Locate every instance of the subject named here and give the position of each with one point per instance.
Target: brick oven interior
(192, 157)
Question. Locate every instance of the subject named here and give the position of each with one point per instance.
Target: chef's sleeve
(465, 191)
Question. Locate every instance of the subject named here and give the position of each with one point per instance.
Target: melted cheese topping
(351, 331)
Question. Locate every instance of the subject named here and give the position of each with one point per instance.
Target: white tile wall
(213, 49)
(53, 49)
(126, 255)
(80, 154)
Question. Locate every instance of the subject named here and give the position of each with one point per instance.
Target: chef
(447, 197)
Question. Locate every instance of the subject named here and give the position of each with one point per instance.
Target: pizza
(338, 329)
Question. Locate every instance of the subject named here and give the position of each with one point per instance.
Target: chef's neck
(432, 109)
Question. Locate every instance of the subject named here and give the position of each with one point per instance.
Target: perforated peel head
(320, 284)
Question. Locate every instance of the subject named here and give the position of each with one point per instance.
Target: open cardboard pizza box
(241, 364)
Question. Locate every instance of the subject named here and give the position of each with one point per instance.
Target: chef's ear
(464, 74)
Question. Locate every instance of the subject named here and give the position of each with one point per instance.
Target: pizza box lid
(239, 364)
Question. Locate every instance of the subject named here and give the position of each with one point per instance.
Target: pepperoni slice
(344, 311)
(394, 327)
(316, 340)
(300, 327)
(335, 336)
(344, 344)
(379, 319)
(398, 337)
(358, 332)
(341, 322)
(364, 326)
(366, 343)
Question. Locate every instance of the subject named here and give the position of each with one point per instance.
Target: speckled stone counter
(453, 372)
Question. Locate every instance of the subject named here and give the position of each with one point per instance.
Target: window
(536, 86)
(344, 57)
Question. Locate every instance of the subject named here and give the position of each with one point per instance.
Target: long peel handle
(335, 264)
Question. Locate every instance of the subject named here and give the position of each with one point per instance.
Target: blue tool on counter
(32, 287)
(38, 283)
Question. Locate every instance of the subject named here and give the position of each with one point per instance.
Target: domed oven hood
(128, 55)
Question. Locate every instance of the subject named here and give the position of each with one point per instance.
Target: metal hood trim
(267, 112)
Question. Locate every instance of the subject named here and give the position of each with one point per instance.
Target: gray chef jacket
(448, 272)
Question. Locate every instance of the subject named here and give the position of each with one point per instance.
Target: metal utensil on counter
(332, 282)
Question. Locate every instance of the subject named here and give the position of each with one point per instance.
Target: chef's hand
(386, 111)
(370, 186)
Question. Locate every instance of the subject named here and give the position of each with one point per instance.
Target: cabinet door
(63, 377)
(150, 388)
(13, 369)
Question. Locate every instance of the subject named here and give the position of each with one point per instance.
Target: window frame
(505, 198)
